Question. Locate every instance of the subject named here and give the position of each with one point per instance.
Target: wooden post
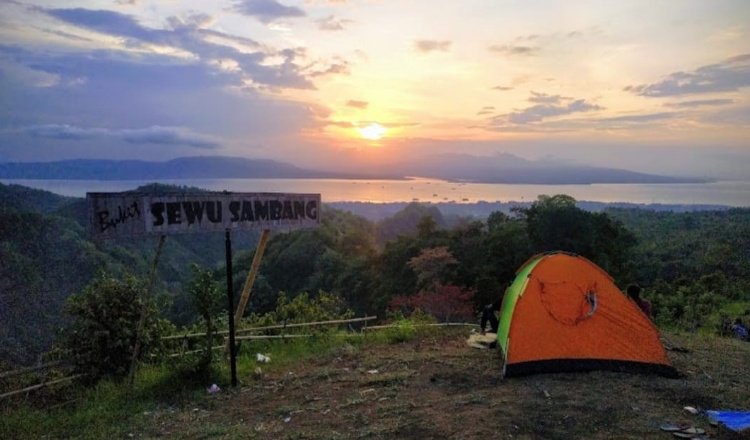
(230, 305)
(254, 267)
(144, 305)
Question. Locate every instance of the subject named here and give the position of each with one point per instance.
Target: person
(634, 292)
(740, 331)
(488, 315)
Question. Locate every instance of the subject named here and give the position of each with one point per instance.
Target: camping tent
(564, 313)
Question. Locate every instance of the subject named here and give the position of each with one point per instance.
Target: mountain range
(501, 168)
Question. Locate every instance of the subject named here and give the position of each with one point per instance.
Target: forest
(694, 266)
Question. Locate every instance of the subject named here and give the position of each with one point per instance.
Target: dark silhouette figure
(634, 292)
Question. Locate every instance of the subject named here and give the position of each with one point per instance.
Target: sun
(372, 131)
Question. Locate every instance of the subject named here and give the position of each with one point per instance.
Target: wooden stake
(254, 267)
(144, 305)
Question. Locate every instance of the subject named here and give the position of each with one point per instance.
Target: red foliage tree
(445, 303)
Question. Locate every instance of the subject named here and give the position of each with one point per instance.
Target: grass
(111, 408)
(429, 386)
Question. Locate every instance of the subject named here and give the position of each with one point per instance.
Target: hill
(46, 256)
(494, 169)
(199, 167)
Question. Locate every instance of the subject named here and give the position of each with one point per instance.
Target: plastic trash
(734, 420)
(213, 389)
(262, 358)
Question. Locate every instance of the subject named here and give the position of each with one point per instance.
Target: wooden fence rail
(275, 327)
(20, 371)
(12, 373)
(41, 385)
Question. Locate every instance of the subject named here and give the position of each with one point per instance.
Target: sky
(652, 86)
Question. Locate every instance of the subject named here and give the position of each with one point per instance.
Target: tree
(555, 223)
(431, 266)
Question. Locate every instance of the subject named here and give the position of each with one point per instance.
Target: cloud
(502, 88)
(509, 49)
(209, 47)
(699, 103)
(637, 118)
(357, 104)
(432, 45)
(332, 23)
(340, 68)
(151, 135)
(267, 10)
(540, 112)
(543, 98)
(107, 22)
(546, 107)
(730, 75)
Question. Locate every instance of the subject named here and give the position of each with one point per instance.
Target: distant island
(506, 169)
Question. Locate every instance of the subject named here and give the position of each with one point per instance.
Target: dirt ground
(437, 387)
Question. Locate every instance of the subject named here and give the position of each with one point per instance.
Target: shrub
(105, 320)
(207, 300)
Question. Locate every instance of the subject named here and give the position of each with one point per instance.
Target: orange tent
(564, 313)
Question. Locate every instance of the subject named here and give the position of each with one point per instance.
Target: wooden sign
(131, 214)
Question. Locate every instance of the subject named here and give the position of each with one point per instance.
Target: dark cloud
(267, 10)
(332, 23)
(699, 103)
(106, 22)
(540, 112)
(357, 104)
(509, 49)
(502, 88)
(340, 68)
(637, 118)
(432, 45)
(728, 76)
(151, 135)
(188, 34)
(125, 90)
(547, 106)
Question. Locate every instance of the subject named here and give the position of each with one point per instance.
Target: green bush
(404, 329)
(207, 300)
(105, 320)
(303, 308)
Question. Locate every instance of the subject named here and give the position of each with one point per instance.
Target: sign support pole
(254, 267)
(230, 306)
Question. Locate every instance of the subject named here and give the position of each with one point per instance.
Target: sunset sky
(654, 86)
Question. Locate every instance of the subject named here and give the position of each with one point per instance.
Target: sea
(720, 193)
